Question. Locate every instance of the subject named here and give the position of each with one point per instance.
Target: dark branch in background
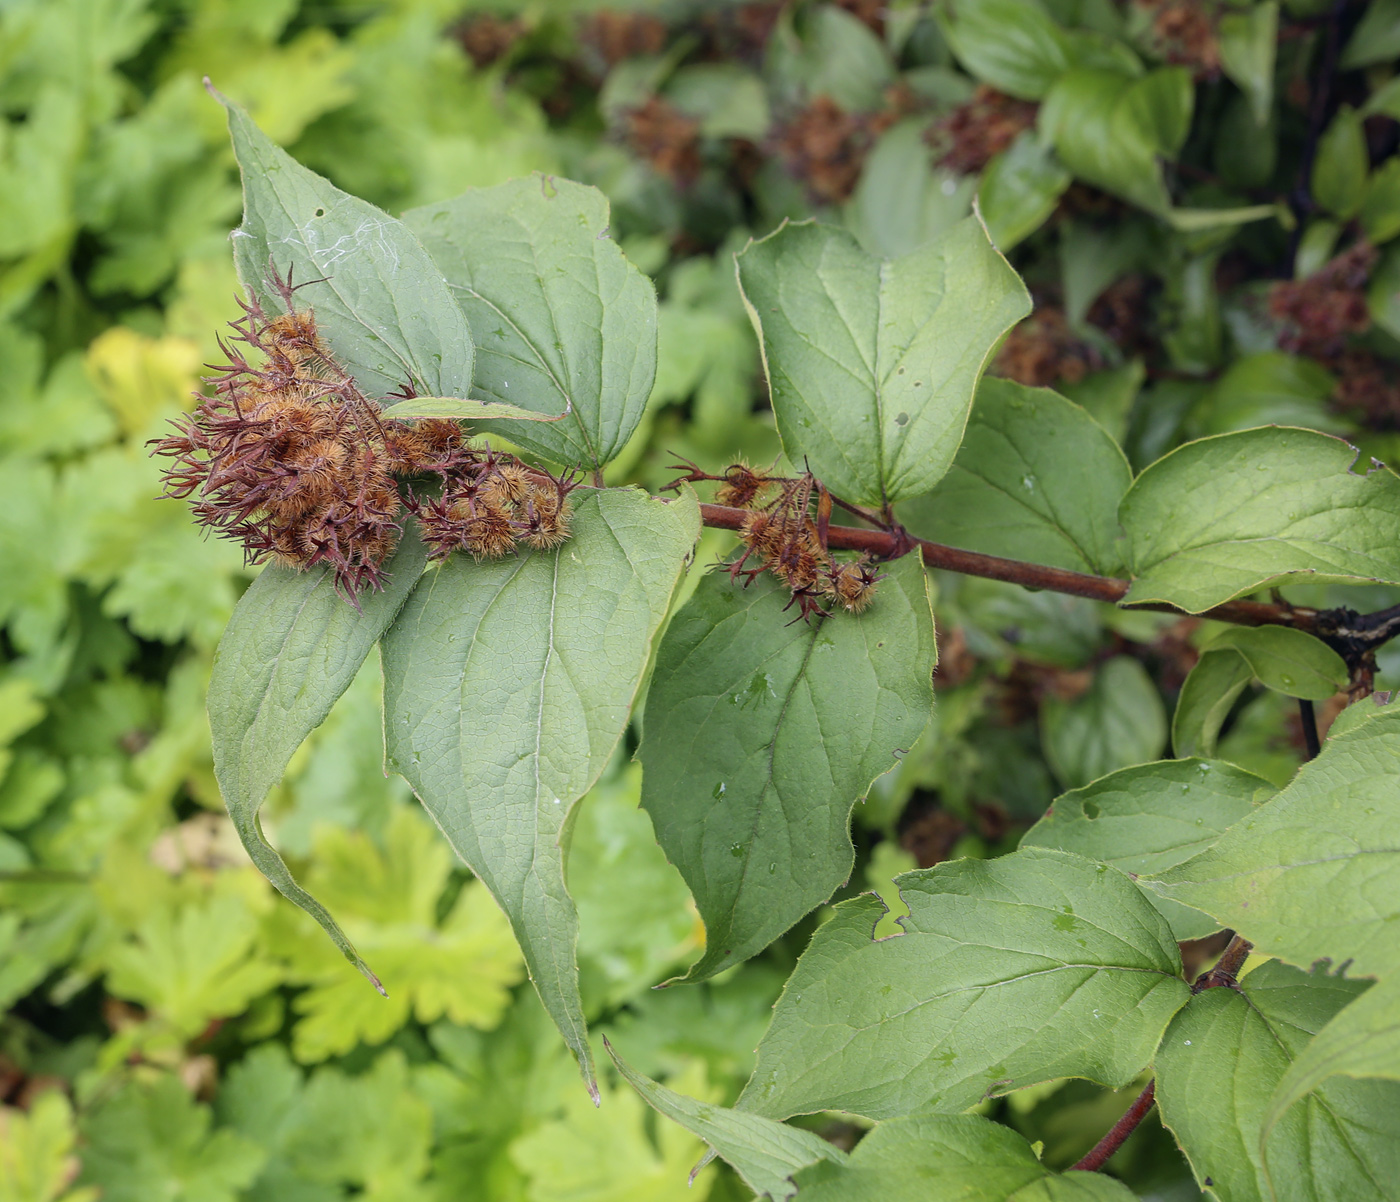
(1325, 76)
(1353, 636)
(1308, 716)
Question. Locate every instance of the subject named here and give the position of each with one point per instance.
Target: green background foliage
(1207, 247)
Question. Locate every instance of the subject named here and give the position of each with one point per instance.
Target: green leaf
(872, 363)
(1339, 171)
(1036, 965)
(1036, 478)
(36, 1152)
(1108, 128)
(618, 1152)
(1014, 45)
(1286, 660)
(1270, 388)
(1019, 190)
(1313, 874)
(970, 1158)
(461, 966)
(1118, 722)
(764, 1153)
(1224, 516)
(1220, 1061)
(507, 685)
(1207, 696)
(384, 308)
(1152, 817)
(1380, 211)
(1248, 44)
(292, 647)
(153, 1141)
(192, 963)
(760, 735)
(465, 410)
(1360, 1041)
(330, 1131)
(1376, 38)
(564, 323)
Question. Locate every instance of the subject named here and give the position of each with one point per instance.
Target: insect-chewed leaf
(507, 684)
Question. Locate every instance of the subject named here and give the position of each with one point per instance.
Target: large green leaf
(1036, 965)
(1227, 515)
(1036, 478)
(383, 309)
(1220, 1061)
(763, 1152)
(969, 1158)
(872, 362)
(563, 321)
(291, 649)
(760, 735)
(1152, 817)
(507, 685)
(1362, 1041)
(1313, 874)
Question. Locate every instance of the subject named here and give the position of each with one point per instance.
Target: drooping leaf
(968, 1157)
(1380, 211)
(563, 322)
(291, 649)
(1288, 661)
(1151, 817)
(761, 734)
(763, 1152)
(1339, 171)
(1207, 695)
(872, 362)
(1036, 478)
(1342, 1142)
(383, 307)
(1227, 515)
(507, 685)
(1313, 874)
(1376, 38)
(1360, 1041)
(1032, 966)
(1120, 721)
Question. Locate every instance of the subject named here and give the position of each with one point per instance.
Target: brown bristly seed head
(851, 585)
(742, 486)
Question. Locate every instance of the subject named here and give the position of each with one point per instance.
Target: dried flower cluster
(668, 139)
(825, 146)
(974, 133)
(292, 460)
(1319, 312)
(783, 537)
(1184, 32)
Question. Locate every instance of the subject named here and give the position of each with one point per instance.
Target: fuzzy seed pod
(742, 486)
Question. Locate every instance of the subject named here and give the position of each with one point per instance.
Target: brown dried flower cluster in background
(825, 146)
(615, 35)
(1321, 311)
(292, 460)
(1184, 32)
(488, 37)
(975, 132)
(668, 139)
(1043, 349)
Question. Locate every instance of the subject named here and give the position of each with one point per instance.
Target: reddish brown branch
(1098, 1155)
(884, 545)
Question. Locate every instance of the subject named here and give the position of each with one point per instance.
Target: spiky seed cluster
(289, 458)
(493, 503)
(785, 540)
(742, 487)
